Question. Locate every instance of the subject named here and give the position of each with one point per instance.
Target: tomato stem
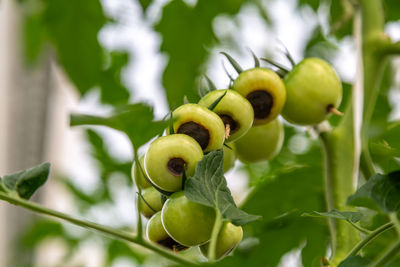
(15, 200)
(214, 236)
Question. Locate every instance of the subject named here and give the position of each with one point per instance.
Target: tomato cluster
(243, 121)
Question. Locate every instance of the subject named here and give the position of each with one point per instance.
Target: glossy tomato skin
(137, 175)
(205, 126)
(233, 108)
(261, 143)
(167, 148)
(153, 198)
(156, 233)
(265, 91)
(187, 222)
(313, 87)
(229, 157)
(229, 237)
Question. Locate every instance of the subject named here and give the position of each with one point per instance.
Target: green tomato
(229, 157)
(261, 142)
(166, 158)
(156, 233)
(187, 222)
(137, 175)
(202, 124)
(229, 237)
(314, 90)
(153, 198)
(265, 91)
(234, 110)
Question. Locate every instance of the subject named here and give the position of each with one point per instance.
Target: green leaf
(354, 261)
(392, 10)
(314, 4)
(26, 182)
(117, 249)
(288, 186)
(34, 36)
(112, 89)
(145, 4)
(73, 27)
(136, 120)
(187, 32)
(208, 187)
(351, 216)
(381, 191)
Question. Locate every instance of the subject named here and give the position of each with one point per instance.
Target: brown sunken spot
(171, 244)
(176, 165)
(234, 126)
(196, 131)
(262, 103)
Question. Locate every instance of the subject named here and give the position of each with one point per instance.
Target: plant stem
(362, 230)
(395, 221)
(214, 236)
(369, 238)
(393, 251)
(139, 223)
(101, 228)
(366, 164)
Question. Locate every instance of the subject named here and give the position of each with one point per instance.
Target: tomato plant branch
(214, 236)
(373, 37)
(391, 253)
(101, 228)
(369, 238)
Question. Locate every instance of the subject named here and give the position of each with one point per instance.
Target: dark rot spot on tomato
(233, 125)
(196, 131)
(176, 165)
(262, 103)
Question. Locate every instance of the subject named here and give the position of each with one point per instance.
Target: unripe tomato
(313, 90)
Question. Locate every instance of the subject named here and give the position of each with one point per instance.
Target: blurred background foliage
(282, 190)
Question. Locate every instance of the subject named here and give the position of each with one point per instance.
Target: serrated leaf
(354, 261)
(26, 182)
(381, 191)
(352, 216)
(208, 187)
(136, 120)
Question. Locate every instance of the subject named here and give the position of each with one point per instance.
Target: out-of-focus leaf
(112, 89)
(319, 46)
(118, 249)
(314, 4)
(26, 182)
(354, 261)
(337, 18)
(145, 4)
(34, 36)
(381, 190)
(187, 32)
(73, 27)
(392, 10)
(208, 187)
(42, 229)
(280, 201)
(136, 120)
(351, 216)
